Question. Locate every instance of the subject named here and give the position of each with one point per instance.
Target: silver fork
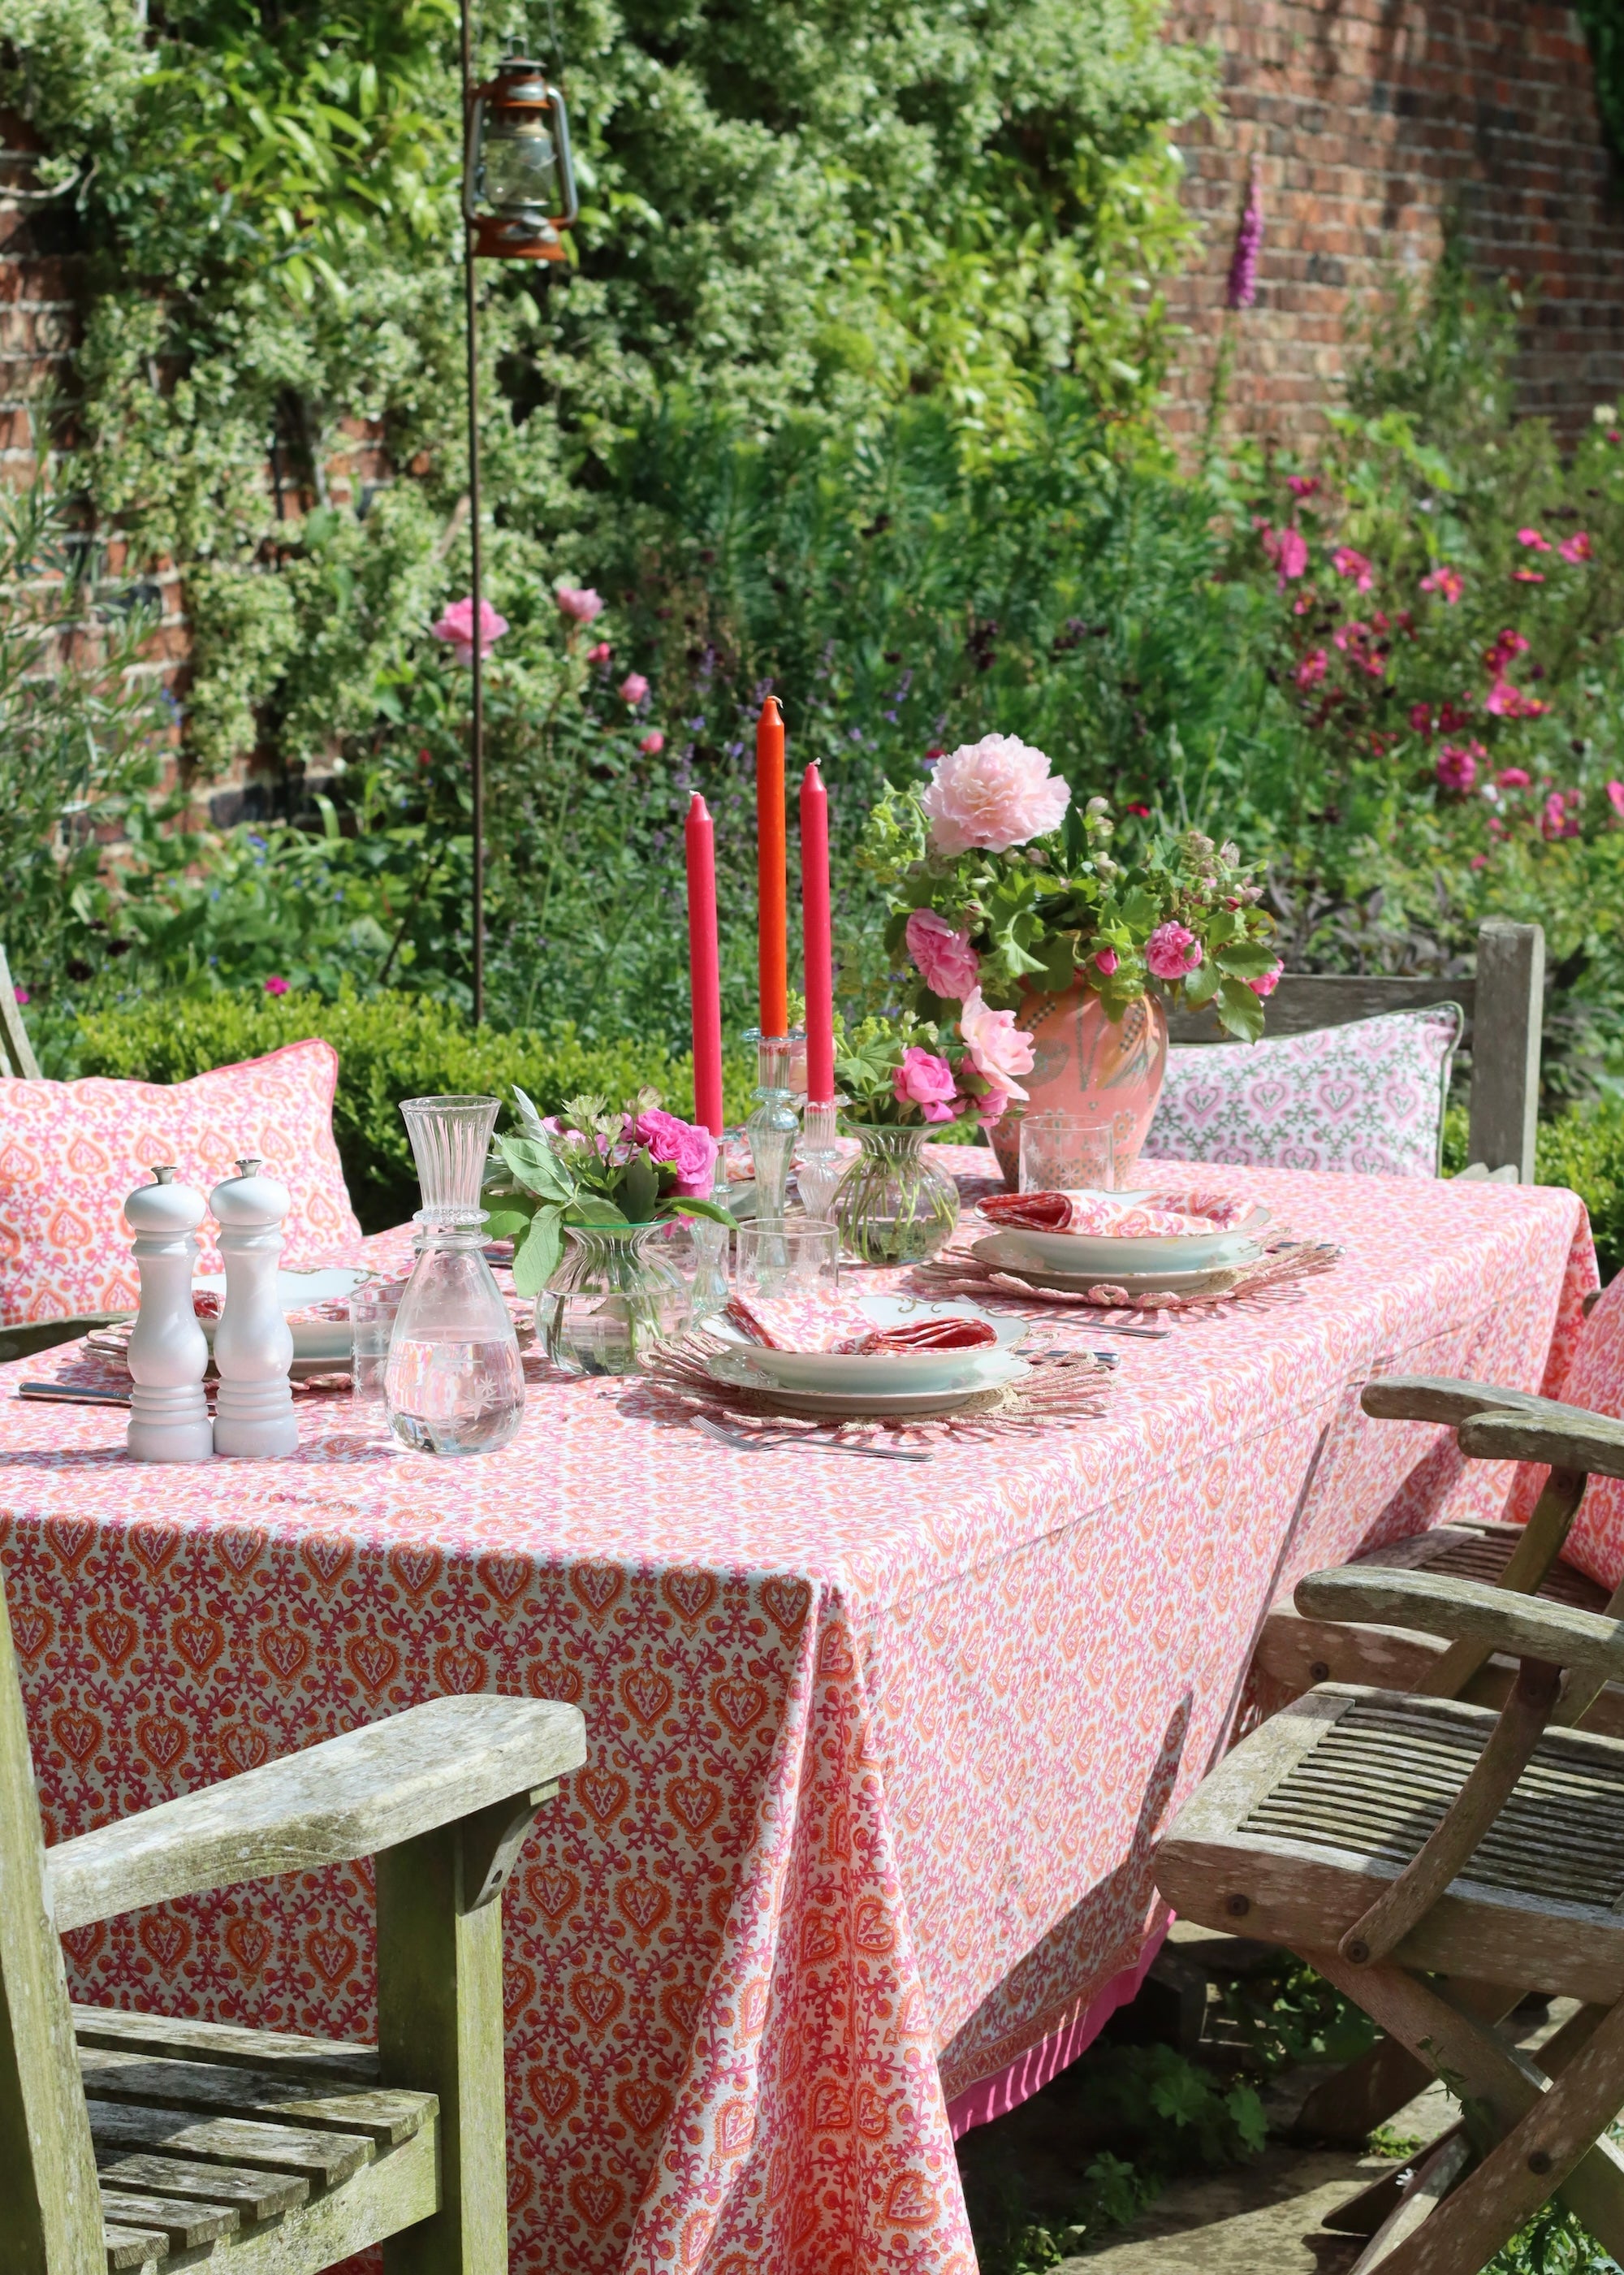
(752, 1441)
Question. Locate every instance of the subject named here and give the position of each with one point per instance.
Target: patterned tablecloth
(877, 1752)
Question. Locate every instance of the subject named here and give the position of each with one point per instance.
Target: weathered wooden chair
(1393, 1841)
(1504, 1008)
(129, 2141)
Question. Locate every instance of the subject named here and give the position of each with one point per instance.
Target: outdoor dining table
(878, 1752)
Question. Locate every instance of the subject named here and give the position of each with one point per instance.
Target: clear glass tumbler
(1065, 1154)
(453, 1382)
(786, 1256)
(373, 1310)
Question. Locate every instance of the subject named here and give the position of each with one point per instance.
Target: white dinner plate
(1095, 1256)
(739, 1371)
(297, 1289)
(863, 1372)
(1137, 1284)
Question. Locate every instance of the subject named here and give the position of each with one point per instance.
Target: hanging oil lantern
(519, 188)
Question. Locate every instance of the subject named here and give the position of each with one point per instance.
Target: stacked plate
(1194, 1262)
(320, 1346)
(877, 1383)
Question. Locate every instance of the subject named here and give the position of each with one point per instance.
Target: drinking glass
(372, 1323)
(1065, 1154)
(786, 1256)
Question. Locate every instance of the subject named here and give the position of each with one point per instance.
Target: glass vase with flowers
(585, 1196)
(1006, 896)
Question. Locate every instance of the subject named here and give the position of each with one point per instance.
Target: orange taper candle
(771, 870)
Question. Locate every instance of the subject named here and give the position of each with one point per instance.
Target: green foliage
(1604, 25)
(1286, 2014)
(390, 1045)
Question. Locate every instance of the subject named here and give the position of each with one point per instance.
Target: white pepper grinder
(254, 1344)
(169, 1352)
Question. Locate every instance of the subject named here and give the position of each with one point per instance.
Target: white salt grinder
(169, 1352)
(254, 1344)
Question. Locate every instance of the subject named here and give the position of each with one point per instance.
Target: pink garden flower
(456, 628)
(633, 688)
(1514, 778)
(996, 793)
(1447, 583)
(1347, 563)
(1560, 817)
(276, 984)
(1421, 718)
(928, 1082)
(600, 653)
(21, 993)
(1507, 700)
(1576, 547)
(991, 1108)
(1532, 539)
(1457, 765)
(1287, 548)
(652, 743)
(1507, 648)
(1302, 486)
(1615, 799)
(1528, 576)
(579, 604)
(1266, 982)
(1312, 671)
(999, 1051)
(686, 1146)
(943, 957)
(1241, 290)
(1172, 950)
(1105, 961)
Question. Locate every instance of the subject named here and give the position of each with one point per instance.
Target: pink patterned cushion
(71, 1151)
(1368, 1097)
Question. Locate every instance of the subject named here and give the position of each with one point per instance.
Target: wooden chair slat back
(50, 2222)
(1305, 1001)
(15, 1048)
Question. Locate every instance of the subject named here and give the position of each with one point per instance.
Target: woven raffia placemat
(1059, 1389)
(1276, 1274)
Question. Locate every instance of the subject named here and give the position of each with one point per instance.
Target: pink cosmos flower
(276, 984)
(1507, 701)
(1105, 961)
(942, 957)
(1615, 799)
(1514, 778)
(1507, 648)
(1480, 861)
(652, 743)
(1421, 718)
(1266, 982)
(1557, 819)
(22, 994)
(456, 628)
(1347, 563)
(928, 1082)
(999, 1051)
(1457, 765)
(1302, 486)
(687, 1146)
(633, 688)
(1447, 583)
(1532, 537)
(1528, 576)
(600, 653)
(995, 793)
(1576, 547)
(1287, 548)
(579, 604)
(1172, 950)
(1312, 671)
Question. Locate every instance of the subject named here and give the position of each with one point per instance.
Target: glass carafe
(453, 1384)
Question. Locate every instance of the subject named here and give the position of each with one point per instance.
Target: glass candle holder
(774, 1125)
(820, 1165)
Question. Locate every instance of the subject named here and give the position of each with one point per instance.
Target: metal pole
(476, 741)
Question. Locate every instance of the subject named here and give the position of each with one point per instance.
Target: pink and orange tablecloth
(877, 1752)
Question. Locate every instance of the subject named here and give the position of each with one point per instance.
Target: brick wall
(1371, 121)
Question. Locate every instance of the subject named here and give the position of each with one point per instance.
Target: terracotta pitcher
(1109, 1071)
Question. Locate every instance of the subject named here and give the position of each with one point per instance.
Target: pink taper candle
(704, 965)
(817, 939)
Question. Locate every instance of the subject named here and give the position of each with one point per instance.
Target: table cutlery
(768, 1441)
(64, 1394)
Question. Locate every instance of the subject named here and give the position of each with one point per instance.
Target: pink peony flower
(456, 628)
(633, 688)
(1447, 583)
(928, 1082)
(1457, 765)
(943, 958)
(1266, 982)
(685, 1146)
(1105, 961)
(995, 793)
(579, 604)
(1302, 486)
(1576, 547)
(1312, 671)
(1347, 563)
(1172, 950)
(1532, 537)
(276, 984)
(652, 743)
(1514, 778)
(1615, 799)
(999, 1050)
(600, 653)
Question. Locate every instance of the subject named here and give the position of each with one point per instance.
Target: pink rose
(1347, 563)
(943, 957)
(1266, 982)
(652, 743)
(579, 604)
(1172, 950)
(1576, 547)
(633, 688)
(456, 628)
(928, 1082)
(600, 653)
(999, 1050)
(688, 1148)
(1457, 765)
(1105, 961)
(1532, 537)
(991, 1108)
(995, 793)
(1447, 583)
(274, 986)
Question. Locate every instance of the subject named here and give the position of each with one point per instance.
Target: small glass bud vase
(615, 1291)
(894, 1204)
(776, 1123)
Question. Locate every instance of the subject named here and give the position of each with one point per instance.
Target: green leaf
(535, 1166)
(508, 1223)
(1245, 2106)
(640, 1188)
(591, 1209)
(1248, 959)
(535, 1260)
(1239, 1011)
(690, 1205)
(1202, 985)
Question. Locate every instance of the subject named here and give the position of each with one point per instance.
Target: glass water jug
(453, 1384)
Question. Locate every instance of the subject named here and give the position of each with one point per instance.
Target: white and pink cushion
(1368, 1097)
(71, 1151)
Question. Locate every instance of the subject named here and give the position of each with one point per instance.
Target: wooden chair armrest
(435, 1764)
(1565, 1436)
(1444, 1398)
(1498, 1619)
